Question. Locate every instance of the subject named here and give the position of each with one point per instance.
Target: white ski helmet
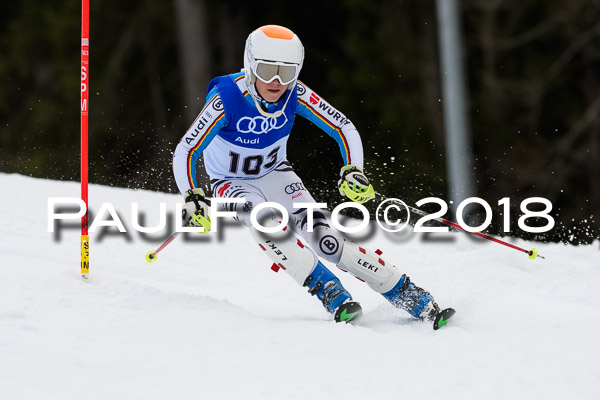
(273, 52)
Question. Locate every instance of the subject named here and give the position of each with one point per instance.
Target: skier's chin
(273, 96)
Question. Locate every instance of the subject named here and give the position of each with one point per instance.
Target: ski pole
(533, 254)
(151, 255)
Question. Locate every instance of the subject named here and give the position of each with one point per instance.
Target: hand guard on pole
(355, 185)
(195, 211)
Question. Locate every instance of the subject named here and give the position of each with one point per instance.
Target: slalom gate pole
(533, 254)
(151, 255)
(85, 53)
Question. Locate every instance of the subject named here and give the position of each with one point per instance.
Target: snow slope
(210, 320)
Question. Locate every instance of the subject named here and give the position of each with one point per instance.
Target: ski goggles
(268, 71)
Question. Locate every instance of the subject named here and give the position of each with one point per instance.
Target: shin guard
(286, 252)
(367, 266)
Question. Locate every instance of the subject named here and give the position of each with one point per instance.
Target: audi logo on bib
(260, 124)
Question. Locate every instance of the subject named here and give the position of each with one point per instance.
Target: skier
(242, 132)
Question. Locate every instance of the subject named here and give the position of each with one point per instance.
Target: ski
(442, 318)
(347, 312)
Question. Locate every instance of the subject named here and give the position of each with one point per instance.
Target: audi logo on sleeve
(259, 124)
(294, 187)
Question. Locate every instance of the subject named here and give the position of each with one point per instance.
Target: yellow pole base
(85, 256)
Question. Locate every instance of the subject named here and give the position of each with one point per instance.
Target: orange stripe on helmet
(277, 32)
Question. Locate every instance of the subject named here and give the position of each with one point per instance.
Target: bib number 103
(251, 165)
(505, 203)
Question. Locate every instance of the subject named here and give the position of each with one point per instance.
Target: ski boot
(418, 302)
(336, 300)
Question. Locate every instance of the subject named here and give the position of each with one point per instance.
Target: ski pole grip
(194, 197)
(379, 197)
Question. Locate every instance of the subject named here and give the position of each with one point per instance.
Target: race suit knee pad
(324, 240)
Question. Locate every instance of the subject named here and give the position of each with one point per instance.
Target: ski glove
(195, 210)
(355, 185)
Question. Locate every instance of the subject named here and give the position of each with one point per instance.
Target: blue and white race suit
(245, 153)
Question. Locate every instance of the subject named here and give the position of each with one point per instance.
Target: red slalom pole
(533, 254)
(85, 57)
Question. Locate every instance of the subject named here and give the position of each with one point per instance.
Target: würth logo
(314, 99)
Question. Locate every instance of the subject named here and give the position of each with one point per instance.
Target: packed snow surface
(210, 320)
